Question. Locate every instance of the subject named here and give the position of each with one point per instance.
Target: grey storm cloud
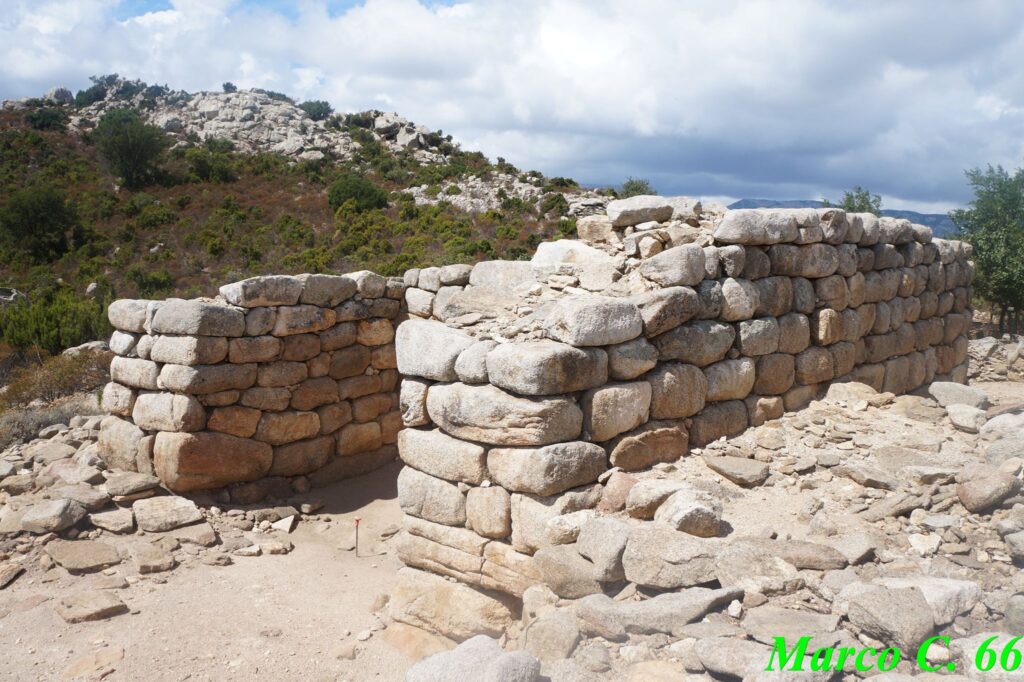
(782, 98)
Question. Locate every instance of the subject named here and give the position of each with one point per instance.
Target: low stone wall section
(285, 381)
(524, 382)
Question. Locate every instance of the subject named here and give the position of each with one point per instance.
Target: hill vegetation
(124, 209)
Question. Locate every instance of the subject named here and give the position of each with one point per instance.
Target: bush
(228, 86)
(54, 322)
(554, 203)
(47, 118)
(18, 425)
(278, 96)
(149, 282)
(56, 377)
(317, 109)
(95, 93)
(35, 223)
(358, 189)
(206, 165)
(635, 186)
(130, 146)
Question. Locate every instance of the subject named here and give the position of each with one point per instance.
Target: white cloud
(778, 98)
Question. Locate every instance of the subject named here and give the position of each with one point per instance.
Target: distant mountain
(940, 223)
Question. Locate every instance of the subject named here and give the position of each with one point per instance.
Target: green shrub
(136, 203)
(91, 95)
(554, 203)
(47, 118)
(635, 186)
(278, 96)
(154, 215)
(130, 146)
(228, 86)
(358, 189)
(35, 223)
(54, 321)
(150, 282)
(210, 166)
(509, 232)
(317, 109)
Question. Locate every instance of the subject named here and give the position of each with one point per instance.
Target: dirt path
(268, 617)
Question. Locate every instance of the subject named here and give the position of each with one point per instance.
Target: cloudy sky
(778, 99)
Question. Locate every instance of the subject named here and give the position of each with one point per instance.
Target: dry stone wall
(279, 383)
(666, 327)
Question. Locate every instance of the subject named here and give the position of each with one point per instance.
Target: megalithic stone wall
(286, 381)
(667, 327)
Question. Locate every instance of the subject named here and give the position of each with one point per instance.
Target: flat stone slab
(8, 572)
(741, 471)
(52, 516)
(87, 606)
(156, 514)
(116, 521)
(151, 558)
(130, 482)
(83, 556)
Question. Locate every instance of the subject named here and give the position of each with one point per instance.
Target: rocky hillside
(243, 187)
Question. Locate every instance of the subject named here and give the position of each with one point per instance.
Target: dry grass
(21, 424)
(55, 377)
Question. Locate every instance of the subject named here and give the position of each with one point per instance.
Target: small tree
(130, 146)
(35, 223)
(228, 86)
(994, 226)
(858, 200)
(47, 118)
(317, 109)
(635, 186)
(356, 188)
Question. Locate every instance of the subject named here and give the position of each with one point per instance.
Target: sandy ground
(268, 617)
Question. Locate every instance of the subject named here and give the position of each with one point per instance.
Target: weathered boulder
(678, 266)
(429, 349)
(698, 343)
(489, 415)
(691, 511)
(899, 616)
(664, 309)
(440, 455)
(659, 556)
(546, 470)
(159, 514)
(983, 487)
(197, 461)
(430, 498)
(655, 441)
(947, 393)
(729, 379)
(757, 226)
(615, 408)
(168, 412)
(546, 367)
(593, 321)
(198, 318)
(452, 609)
(638, 209)
(631, 359)
(677, 390)
(267, 290)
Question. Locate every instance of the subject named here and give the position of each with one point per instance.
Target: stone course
(654, 336)
(279, 376)
(509, 389)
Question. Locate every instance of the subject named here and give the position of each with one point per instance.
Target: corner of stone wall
(665, 328)
(280, 383)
